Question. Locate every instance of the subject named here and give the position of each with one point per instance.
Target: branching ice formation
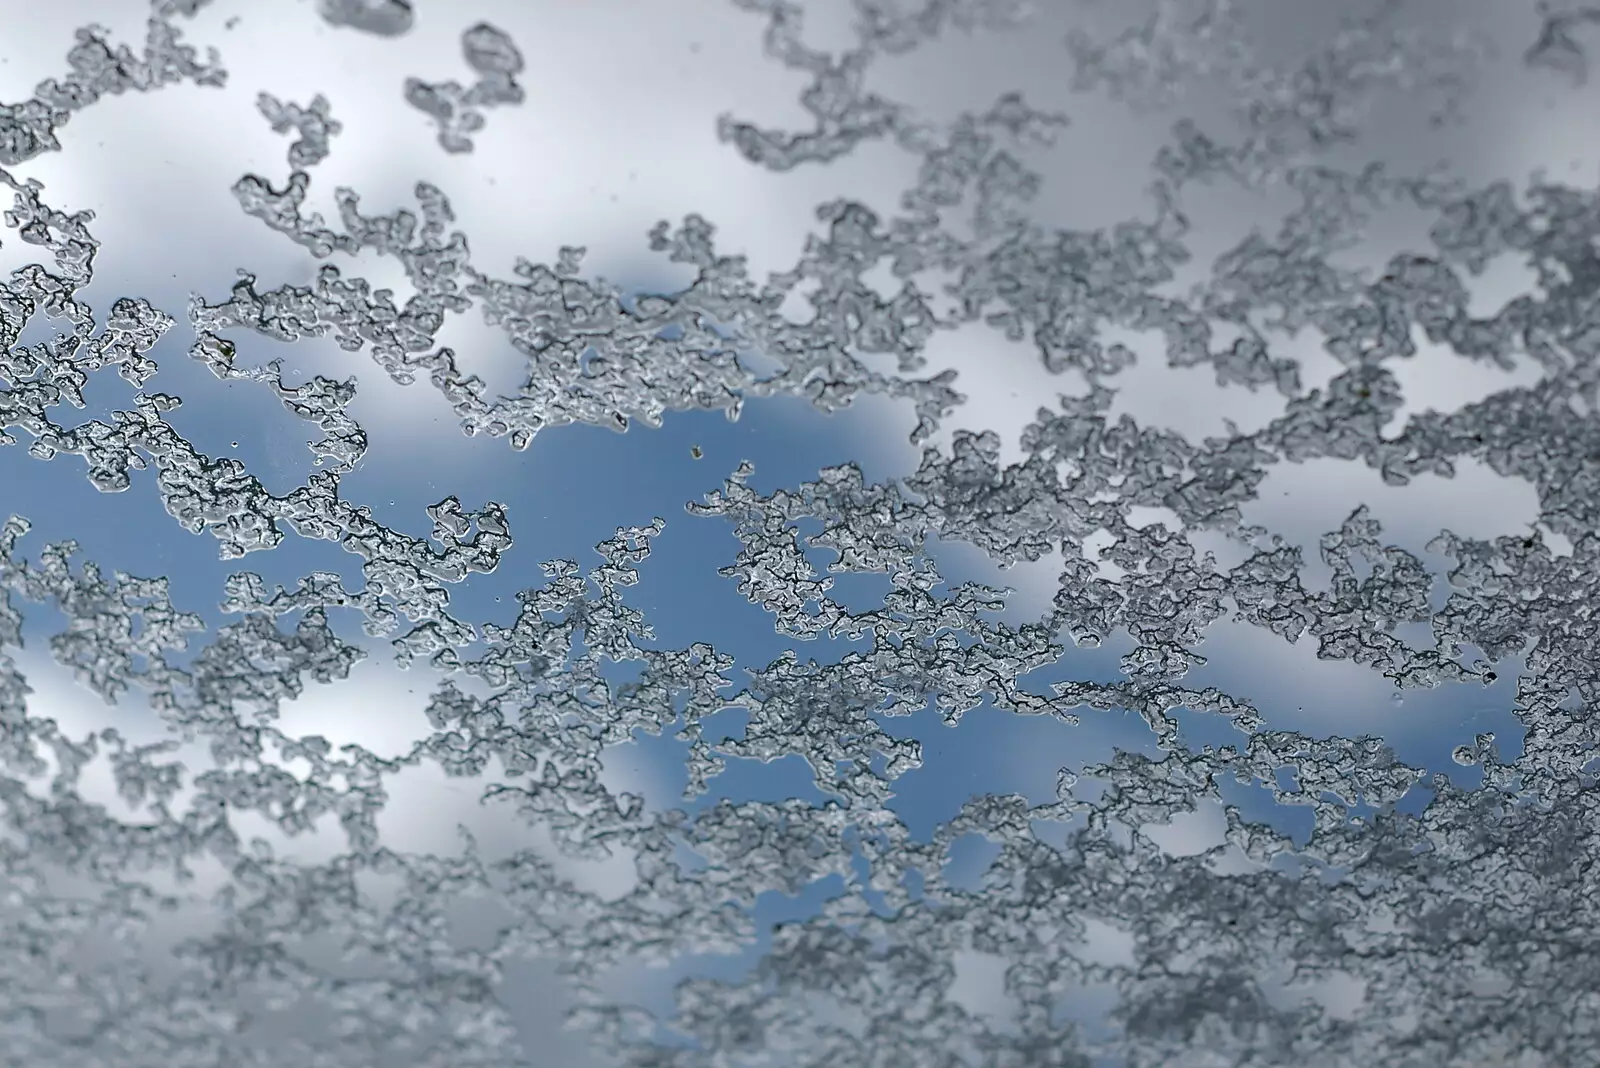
(459, 111)
(1464, 920)
(98, 70)
(314, 124)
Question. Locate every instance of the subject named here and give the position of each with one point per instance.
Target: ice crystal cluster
(1454, 915)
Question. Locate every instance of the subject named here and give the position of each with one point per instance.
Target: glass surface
(876, 532)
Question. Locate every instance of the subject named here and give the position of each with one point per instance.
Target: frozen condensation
(459, 111)
(97, 69)
(382, 18)
(312, 123)
(1461, 911)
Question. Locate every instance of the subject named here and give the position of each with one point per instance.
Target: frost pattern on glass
(1462, 920)
(99, 68)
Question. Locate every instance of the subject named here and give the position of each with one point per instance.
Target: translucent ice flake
(383, 18)
(459, 111)
(313, 123)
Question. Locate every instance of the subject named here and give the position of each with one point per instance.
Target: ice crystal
(1355, 905)
(384, 18)
(457, 110)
